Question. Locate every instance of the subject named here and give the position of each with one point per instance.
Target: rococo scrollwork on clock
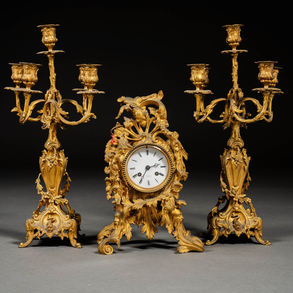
(145, 167)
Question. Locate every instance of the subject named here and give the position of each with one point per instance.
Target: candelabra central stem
(234, 57)
(235, 138)
(52, 72)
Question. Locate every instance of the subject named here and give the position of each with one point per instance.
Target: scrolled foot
(258, 237)
(216, 234)
(21, 245)
(72, 235)
(105, 248)
(186, 241)
(106, 232)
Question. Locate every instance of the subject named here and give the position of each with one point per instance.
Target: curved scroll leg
(77, 218)
(213, 230)
(30, 233)
(72, 235)
(209, 227)
(186, 241)
(71, 212)
(258, 233)
(111, 233)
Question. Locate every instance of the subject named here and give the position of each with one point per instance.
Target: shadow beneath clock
(149, 244)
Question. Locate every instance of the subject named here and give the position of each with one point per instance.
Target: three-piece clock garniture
(145, 160)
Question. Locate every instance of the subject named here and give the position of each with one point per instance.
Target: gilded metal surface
(149, 126)
(53, 216)
(235, 178)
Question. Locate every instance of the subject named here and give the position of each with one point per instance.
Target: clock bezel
(161, 185)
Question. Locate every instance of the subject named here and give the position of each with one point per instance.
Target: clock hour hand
(146, 169)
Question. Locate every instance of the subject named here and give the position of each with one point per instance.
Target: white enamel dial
(147, 168)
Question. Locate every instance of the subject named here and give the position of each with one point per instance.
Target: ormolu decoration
(234, 178)
(144, 173)
(53, 216)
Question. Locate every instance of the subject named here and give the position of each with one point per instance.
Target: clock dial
(147, 168)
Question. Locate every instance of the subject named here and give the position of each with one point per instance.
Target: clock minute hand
(156, 165)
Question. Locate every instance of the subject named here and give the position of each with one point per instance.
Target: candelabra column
(53, 216)
(233, 216)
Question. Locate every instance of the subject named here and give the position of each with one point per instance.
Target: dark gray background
(144, 48)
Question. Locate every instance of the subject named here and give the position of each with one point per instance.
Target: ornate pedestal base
(149, 215)
(57, 218)
(54, 220)
(233, 217)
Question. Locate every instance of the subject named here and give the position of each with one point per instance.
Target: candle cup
(233, 35)
(29, 73)
(274, 82)
(16, 75)
(199, 75)
(49, 35)
(266, 75)
(88, 75)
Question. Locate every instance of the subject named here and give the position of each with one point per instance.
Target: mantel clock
(145, 167)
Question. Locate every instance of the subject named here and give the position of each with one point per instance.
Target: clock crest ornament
(145, 167)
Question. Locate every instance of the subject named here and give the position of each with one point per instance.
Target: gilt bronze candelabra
(53, 216)
(234, 177)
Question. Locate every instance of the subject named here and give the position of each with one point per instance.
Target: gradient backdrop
(144, 48)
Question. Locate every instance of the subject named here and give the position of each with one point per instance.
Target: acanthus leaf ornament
(145, 167)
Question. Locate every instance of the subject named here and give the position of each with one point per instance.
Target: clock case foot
(132, 206)
(165, 213)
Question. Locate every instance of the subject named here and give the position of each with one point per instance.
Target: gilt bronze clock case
(145, 167)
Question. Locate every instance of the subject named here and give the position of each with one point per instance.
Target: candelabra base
(57, 218)
(234, 218)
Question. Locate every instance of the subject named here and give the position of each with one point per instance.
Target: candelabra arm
(208, 110)
(31, 108)
(17, 107)
(85, 111)
(261, 109)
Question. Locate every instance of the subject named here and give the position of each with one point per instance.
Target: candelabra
(234, 177)
(53, 216)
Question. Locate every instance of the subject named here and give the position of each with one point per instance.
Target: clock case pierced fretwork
(149, 125)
